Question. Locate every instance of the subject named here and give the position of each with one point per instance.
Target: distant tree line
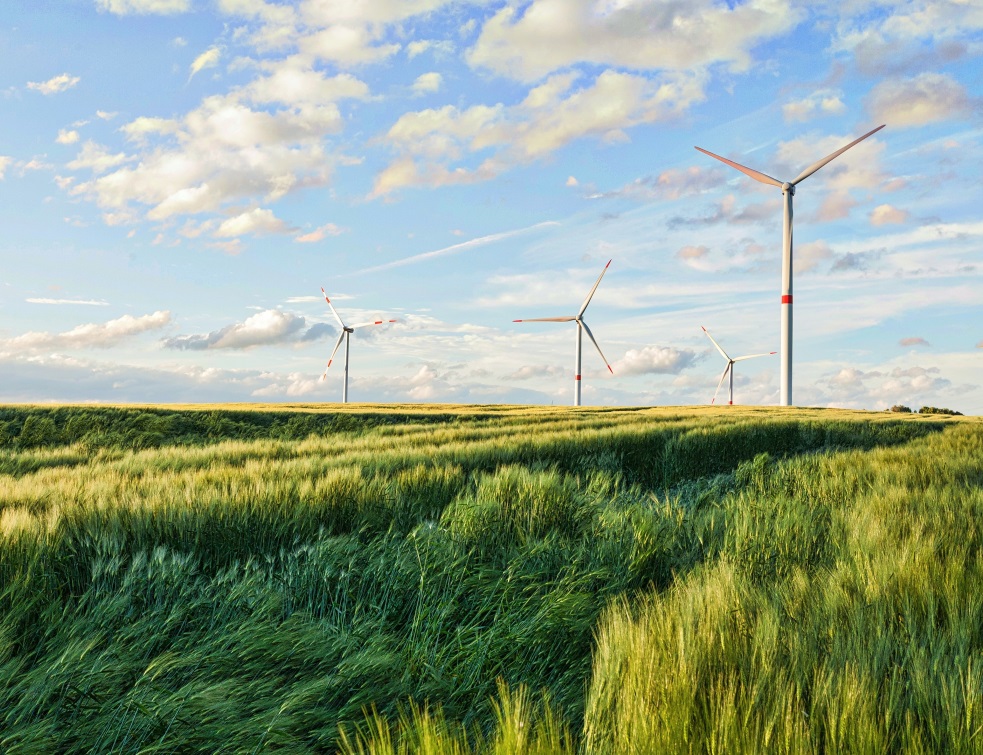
(902, 409)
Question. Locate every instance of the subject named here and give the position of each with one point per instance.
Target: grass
(489, 579)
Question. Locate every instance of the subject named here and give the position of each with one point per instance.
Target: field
(489, 579)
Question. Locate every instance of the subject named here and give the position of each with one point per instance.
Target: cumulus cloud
(262, 329)
(319, 234)
(550, 35)
(808, 257)
(926, 98)
(654, 360)
(55, 84)
(221, 152)
(427, 82)
(821, 102)
(533, 372)
(886, 214)
(551, 116)
(144, 7)
(669, 184)
(90, 335)
(67, 136)
(913, 342)
(915, 35)
(5, 162)
(257, 220)
(208, 59)
(97, 158)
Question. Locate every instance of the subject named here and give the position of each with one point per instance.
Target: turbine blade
(594, 341)
(591, 294)
(547, 319)
(333, 352)
(333, 310)
(373, 322)
(721, 381)
(756, 175)
(722, 352)
(752, 356)
(816, 166)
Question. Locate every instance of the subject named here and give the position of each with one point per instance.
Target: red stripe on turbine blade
(610, 370)
(330, 361)
(517, 321)
(786, 298)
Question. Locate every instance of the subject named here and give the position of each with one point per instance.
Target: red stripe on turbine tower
(786, 298)
(577, 378)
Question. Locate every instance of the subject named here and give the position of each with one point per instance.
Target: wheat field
(489, 579)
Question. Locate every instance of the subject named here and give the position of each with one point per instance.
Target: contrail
(455, 248)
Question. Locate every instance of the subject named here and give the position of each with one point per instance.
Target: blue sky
(181, 177)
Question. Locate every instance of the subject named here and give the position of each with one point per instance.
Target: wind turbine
(730, 366)
(346, 332)
(788, 191)
(581, 328)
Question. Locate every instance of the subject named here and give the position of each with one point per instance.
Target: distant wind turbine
(581, 328)
(346, 332)
(788, 191)
(729, 369)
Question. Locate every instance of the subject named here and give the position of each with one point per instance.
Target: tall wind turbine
(729, 369)
(788, 191)
(346, 332)
(581, 328)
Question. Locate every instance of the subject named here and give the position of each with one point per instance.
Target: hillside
(457, 579)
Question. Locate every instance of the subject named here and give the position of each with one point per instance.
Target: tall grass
(488, 579)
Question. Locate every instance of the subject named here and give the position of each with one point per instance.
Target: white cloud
(886, 214)
(927, 98)
(90, 335)
(319, 234)
(262, 329)
(208, 59)
(159, 7)
(96, 158)
(67, 136)
(654, 360)
(5, 162)
(914, 341)
(223, 151)
(54, 85)
(86, 302)
(821, 102)
(294, 82)
(673, 183)
(257, 220)
(105, 115)
(550, 35)
(551, 116)
(427, 82)
(346, 45)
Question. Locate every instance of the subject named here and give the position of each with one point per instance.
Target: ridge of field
(488, 579)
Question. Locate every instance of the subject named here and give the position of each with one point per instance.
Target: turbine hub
(789, 188)
(349, 330)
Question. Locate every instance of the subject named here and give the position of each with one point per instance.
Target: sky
(180, 178)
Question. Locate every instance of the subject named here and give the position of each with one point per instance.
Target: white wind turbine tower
(581, 328)
(729, 369)
(788, 191)
(346, 332)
